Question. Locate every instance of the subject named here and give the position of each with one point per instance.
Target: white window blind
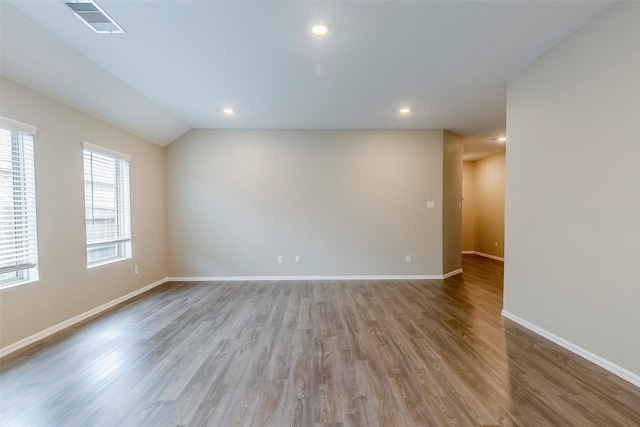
(107, 205)
(18, 228)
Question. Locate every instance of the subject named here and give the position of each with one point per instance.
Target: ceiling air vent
(91, 14)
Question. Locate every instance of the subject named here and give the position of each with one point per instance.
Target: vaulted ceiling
(181, 62)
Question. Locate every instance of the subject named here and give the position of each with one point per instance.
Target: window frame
(119, 247)
(24, 228)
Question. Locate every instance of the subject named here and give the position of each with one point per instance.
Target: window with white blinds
(107, 205)
(18, 231)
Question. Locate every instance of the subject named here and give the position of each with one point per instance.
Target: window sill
(17, 283)
(108, 261)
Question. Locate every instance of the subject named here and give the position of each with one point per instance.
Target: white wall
(573, 190)
(349, 203)
(66, 287)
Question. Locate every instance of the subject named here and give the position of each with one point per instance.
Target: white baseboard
(482, 254)
(77, 319)
(586, 354)
(298, 278)
(452, 273)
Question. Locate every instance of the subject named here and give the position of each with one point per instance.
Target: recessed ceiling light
(320, 29)
(405, 110)
(502, 139)
(228, 111)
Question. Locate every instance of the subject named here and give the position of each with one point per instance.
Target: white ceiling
(181, 62)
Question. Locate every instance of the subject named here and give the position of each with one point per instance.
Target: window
(107, 206)
(18, 233)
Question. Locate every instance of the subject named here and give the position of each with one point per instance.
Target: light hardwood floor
(335, 353)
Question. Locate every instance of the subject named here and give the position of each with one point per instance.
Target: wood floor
(336, 353)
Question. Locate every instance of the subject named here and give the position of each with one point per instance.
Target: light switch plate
(431, 204)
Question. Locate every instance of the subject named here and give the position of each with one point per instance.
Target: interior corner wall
(573, 190)
(452, 203)
(488, 187)
(66, 287)
(347, 202)
(468, 206)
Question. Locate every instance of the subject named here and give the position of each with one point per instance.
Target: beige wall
(483, 211)
(348, 203)
(66, 287)
(573, 190)
(468, 206)
(488, 228)
(452, 203)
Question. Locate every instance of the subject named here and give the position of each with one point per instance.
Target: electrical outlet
(407, 258)
(280, 259)
(136, 269)
(495, 244)
(297, 259)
